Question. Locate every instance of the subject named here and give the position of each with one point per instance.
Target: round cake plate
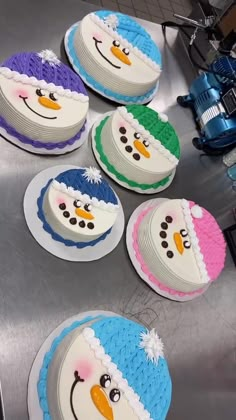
(69, 253)
(136, 263)
(34, 409)
(43, 151)
(113, 176)
(77, 70)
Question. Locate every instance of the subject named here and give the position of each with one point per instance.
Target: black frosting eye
(105, 381)
(114, 395)
(77, 203)
(39, 92)
(187, 244)
(164, 225)
(126, 51)
(87, 207)
(52, 96)
(122, 130)
(169, 219)
(146, 143)
(183, 233)
(116, 43)
(137, 135)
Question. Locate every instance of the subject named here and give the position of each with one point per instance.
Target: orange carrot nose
(48, 103)
(178, 242)
(84, 214)
(116, 51)
(101, 402)
(141, 149)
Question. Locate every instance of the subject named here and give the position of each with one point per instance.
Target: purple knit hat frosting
(45, 66)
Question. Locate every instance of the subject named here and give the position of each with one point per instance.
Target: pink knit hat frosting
(206, 238)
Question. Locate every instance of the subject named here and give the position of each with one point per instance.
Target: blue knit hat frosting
(134, 33)
(88, 181)
(138, 356)
(45, 66)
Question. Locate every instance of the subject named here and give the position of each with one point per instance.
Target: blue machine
(212, 99)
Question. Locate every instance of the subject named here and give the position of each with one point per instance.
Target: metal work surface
(38, 291)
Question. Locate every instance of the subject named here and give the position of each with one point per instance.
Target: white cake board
(60, 250)
(113, 176)
(77, 70)
(135, 262)
(34, 409)
(43, 151)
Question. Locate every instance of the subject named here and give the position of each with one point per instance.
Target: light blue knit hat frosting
(134, 358)
(131, 31)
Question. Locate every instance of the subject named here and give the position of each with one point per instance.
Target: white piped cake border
(50, 87)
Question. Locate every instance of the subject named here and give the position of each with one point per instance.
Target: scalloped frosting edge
(100, 22)
(60, 186)
(131, 396)
(194, 241)
(50, 87)
(147, 135)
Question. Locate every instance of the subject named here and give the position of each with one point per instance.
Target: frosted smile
(103, 56)
(43, 116)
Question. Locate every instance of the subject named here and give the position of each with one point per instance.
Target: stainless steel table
(38, 291)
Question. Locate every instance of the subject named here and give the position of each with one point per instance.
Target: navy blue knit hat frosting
(45, 66)
(88, 181)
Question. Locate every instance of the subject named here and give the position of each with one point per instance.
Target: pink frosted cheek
(20, 92)
(97, 35)
(121, 124)
(84, 368)
(60, 200)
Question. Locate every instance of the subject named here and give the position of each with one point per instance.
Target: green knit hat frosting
(149, 122)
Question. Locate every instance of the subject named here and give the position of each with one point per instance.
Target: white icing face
(42, 106)
(86, 391)
(80, 216)
(113, 56)
(136, 149)
(173, 242)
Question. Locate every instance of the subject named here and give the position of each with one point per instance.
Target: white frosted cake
(105, 368)
(179, 246)
(43, 103)
(137, 147)
(78, 207)
(115, 56)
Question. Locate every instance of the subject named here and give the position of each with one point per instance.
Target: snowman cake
(115, 56)
(78, 207)
(105, 368)
(137, 147)
(179, 247)
(43, 103)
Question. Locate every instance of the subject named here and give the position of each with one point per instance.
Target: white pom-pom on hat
(112, 21)
(152, 345)
(196, 211)
(163, 117)
(92, 175)
(50, 57)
